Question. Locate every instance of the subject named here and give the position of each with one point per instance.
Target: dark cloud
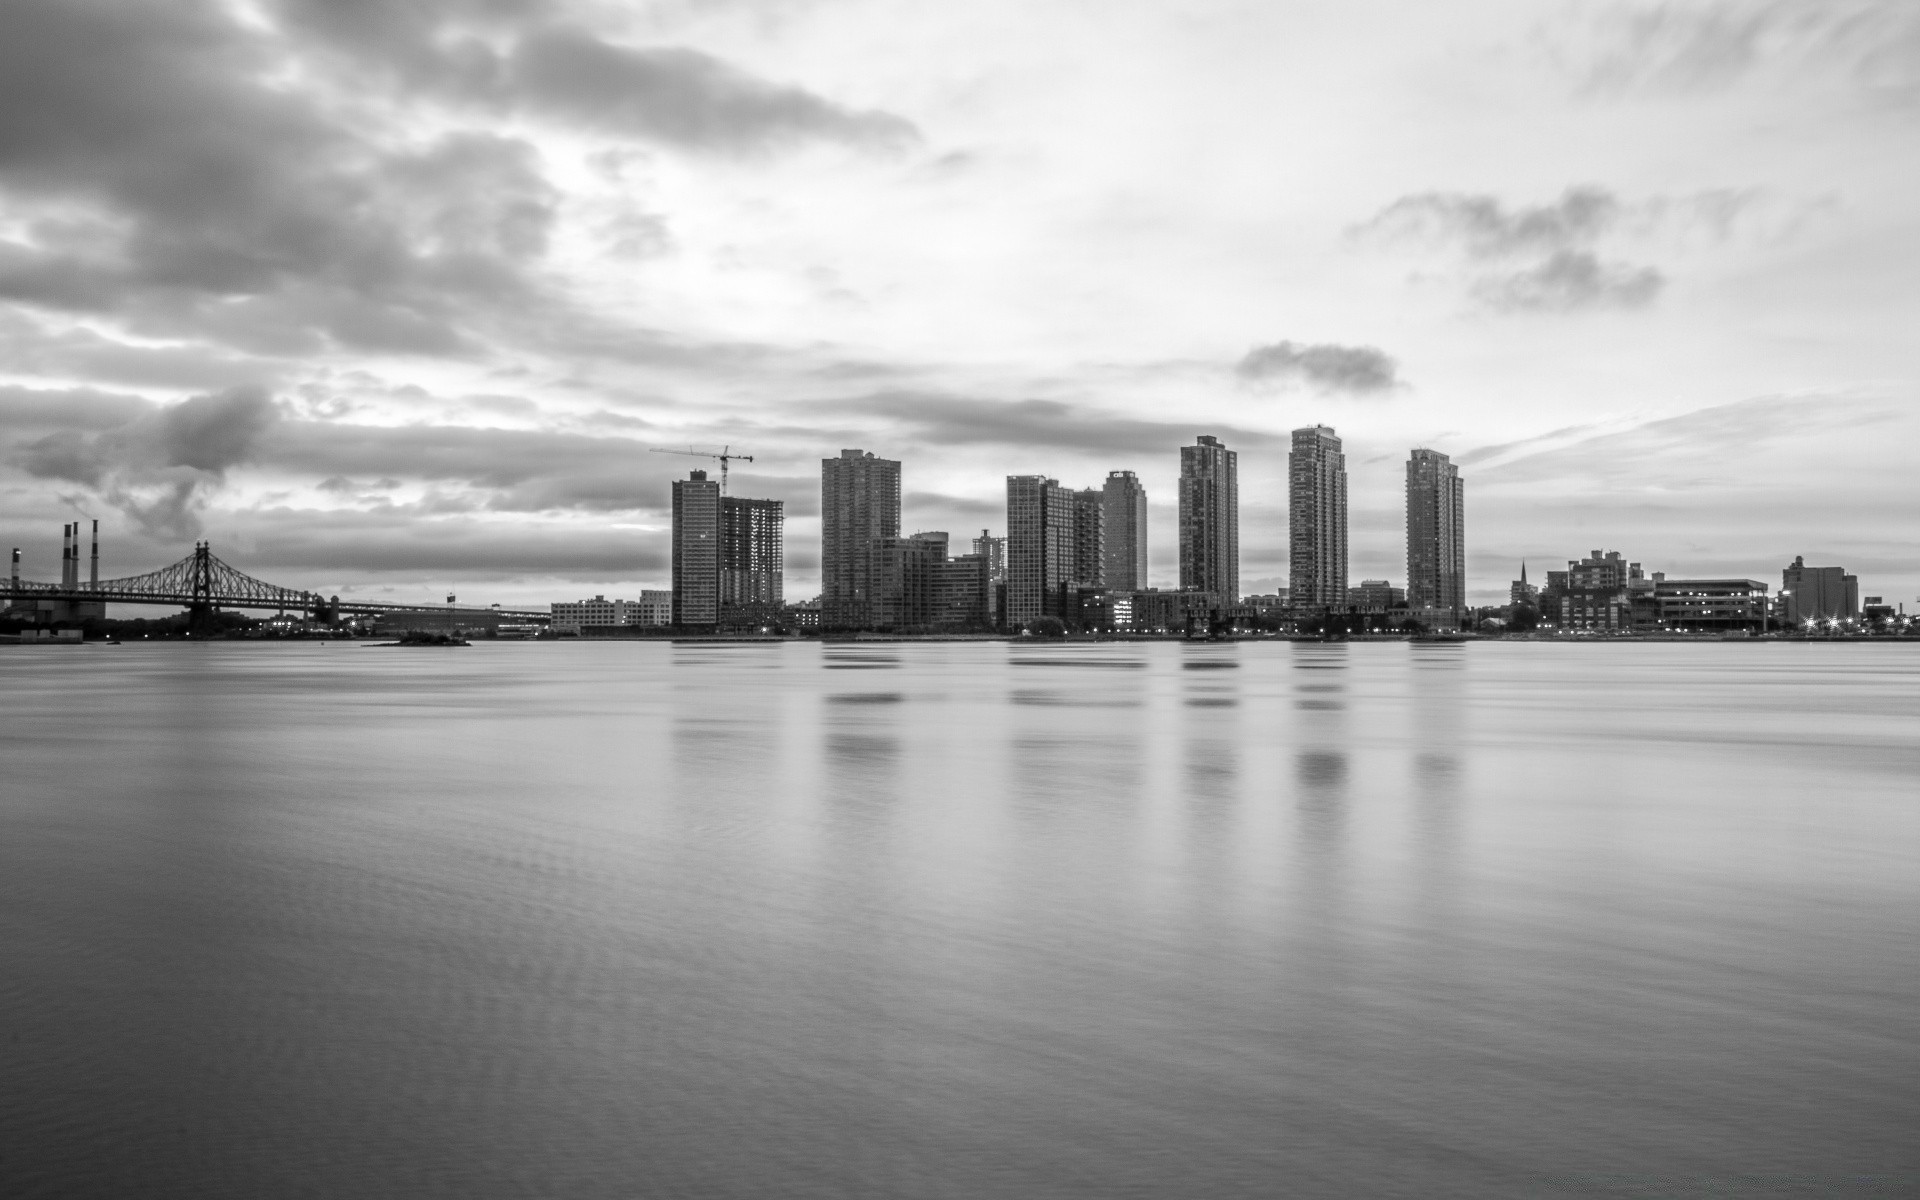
(164, 181)
(1539, 259)
(1569, 281)
(948, 420)
(1359, 369)
(1486, 228)
(524, 55)
(342, 549)
(681, 96)
(69, 409)
(159, 467)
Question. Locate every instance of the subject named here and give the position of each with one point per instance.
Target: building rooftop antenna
(725, 454)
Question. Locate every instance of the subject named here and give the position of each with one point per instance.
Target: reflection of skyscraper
(1089, 537)
(859, 504)
(1436, 532)
(1210, 519)
(696, 550)
(1040, 546)
(752, 553)
(1125, 504)
(1317, 519)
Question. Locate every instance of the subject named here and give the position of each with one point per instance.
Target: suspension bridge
(202, 583)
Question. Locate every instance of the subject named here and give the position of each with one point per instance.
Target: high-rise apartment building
(1125, 546)
(752, 557)
(859, 506)
(1040, 546)
(696, 550)
(1210, 519)
(1317, 519)
(1089, 537)
(1436, 532)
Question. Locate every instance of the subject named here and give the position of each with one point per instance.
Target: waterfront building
(752, 560)
(1378, 595)
(960, 597)
(1817, 593)
(1436, 532)
(569, 617)
(1210, 519)
(1710, 603)
(902, 581)
(1125, 518)
(655, 607)
(1598, 593)
(1317, 519)
(1040, 546)
(1151, 610)
(859, 506)
(696, 550)
(1089, 538)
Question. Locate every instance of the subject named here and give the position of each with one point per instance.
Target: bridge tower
(200, 612)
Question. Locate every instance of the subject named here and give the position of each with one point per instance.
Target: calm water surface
(960, 920)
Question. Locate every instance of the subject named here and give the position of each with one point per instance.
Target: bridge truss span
(202, 581)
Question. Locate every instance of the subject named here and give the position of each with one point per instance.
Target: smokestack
(93, 579)
(16, 568)
(66, 553)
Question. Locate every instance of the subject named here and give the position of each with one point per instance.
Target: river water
(960, 920)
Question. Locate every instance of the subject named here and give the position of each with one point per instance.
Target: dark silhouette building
(752, 560)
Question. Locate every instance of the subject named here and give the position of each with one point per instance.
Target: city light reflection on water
(1022, 920)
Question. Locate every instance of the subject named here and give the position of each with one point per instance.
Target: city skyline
(287, 277)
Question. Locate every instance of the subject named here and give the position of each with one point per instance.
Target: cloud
(1569, 281)
(1359, 369)
(159, 467)
(682, 96)
(1486, 228)
(1540, 258)
(524, 56)
(949, 420)
(1710, 45)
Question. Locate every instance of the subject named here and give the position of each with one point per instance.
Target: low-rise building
(1376, 595)
(1711, 603)
(570, 616)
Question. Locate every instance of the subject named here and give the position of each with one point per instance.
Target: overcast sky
(390, 297)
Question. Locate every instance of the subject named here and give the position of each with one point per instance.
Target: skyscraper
(752, 555)
(696, 550)
(1210, 519)
(1089, 538)
(1317, 519)
(1436, 532)
(1125, 503)
(1040, 546)
(859, 504)
(994, 550)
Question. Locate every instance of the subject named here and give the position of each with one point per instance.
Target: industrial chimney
(66, 557)
(93, 577)
(16, 569)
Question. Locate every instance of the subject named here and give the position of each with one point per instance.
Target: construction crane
(725, 454)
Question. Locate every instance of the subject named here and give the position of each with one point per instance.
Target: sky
(392, 298)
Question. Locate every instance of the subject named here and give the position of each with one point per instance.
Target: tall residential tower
(1317, 519)
(1125, 504)
(1210, 519)
(696, 550)
(859, 505)
(1041, 545)
(1436, 532)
